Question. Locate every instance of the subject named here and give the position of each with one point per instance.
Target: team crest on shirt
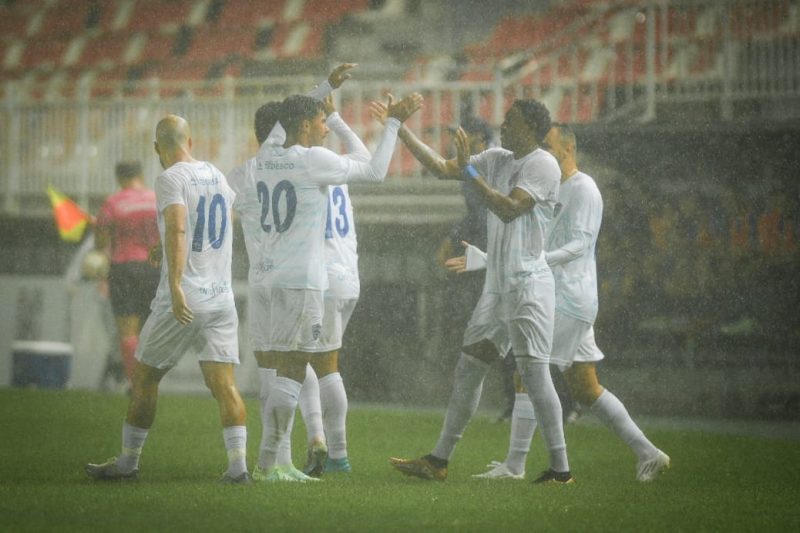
(316, 331)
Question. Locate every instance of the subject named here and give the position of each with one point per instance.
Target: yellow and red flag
(71, 220)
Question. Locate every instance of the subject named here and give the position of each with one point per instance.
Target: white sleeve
(169, 191)
(353, 145)
(540, 180)
(475, 259)
(321, 91)
(328, 168)
(586, 214)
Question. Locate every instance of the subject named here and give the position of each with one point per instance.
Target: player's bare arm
(441, 167)
(404, 108)
(507, 208)
(175, 241)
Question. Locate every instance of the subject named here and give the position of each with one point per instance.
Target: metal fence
(718, 52)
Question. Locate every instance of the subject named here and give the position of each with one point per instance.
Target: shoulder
(542, 163)
(586, 184)
(492, 154)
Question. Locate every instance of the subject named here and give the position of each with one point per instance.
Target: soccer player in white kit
(571, 242)
(288, 271)
(519, 183)
(342, 266)
(193, 310)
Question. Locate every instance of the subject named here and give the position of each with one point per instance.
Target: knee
(483, 350)
(583, 391)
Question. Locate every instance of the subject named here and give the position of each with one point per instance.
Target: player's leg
(471, 369)
(128, 327)
(523, 426)
(333, 396)
(281, 405)
(484, 340)
(311, 409)
(219, 354)
(531, 329)
(266, 378)
(220, 381)
(582, 379)
(164, 340)
(141, 413)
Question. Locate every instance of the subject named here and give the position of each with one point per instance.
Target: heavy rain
(685, 114)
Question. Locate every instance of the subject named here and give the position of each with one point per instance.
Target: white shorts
(285, 320)
(521, 320)
(334, 323)
(212, 336)
(573, 342)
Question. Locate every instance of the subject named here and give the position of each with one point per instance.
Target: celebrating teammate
(571, 255)
(342, 265)
(127, 229)
(519, 184)
(193, 309)
(288, 273)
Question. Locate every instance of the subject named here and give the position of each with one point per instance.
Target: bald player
(193, 310)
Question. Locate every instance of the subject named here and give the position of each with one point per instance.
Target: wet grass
(717, 483)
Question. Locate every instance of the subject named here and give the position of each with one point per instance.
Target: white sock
(613, 414)
(266, 377)
(132, 443)
(334, 416)
(285, 445)
(310, 407)
(523, 426)
(535, 375)
(236, 445)
(464, 399)
(281, 405)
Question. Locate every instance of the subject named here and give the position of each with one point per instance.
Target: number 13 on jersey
(339, 218)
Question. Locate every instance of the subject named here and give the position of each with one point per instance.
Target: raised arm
(441, 167)
(354, 146)
(507, 208)
(331, 169)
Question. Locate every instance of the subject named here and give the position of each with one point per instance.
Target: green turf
(717, 483)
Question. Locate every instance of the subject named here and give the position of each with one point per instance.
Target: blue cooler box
(42, 364)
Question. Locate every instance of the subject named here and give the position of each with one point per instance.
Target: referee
(127, 230)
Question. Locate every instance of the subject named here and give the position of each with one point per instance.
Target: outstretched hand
(404, 108)
(379, 111)
(462, 148)
(340, 74)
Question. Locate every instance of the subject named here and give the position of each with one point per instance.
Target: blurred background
(687, 115)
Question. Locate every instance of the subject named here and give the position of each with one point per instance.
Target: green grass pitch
(717, 482)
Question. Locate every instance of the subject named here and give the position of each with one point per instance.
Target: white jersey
(340, 245)
(514, 249)
(284, 204)
(571, 245)
(204, 191)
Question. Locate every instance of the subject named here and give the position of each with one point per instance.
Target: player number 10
(214, 239)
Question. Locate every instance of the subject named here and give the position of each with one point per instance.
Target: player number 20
(283, 190)
(217, 206)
